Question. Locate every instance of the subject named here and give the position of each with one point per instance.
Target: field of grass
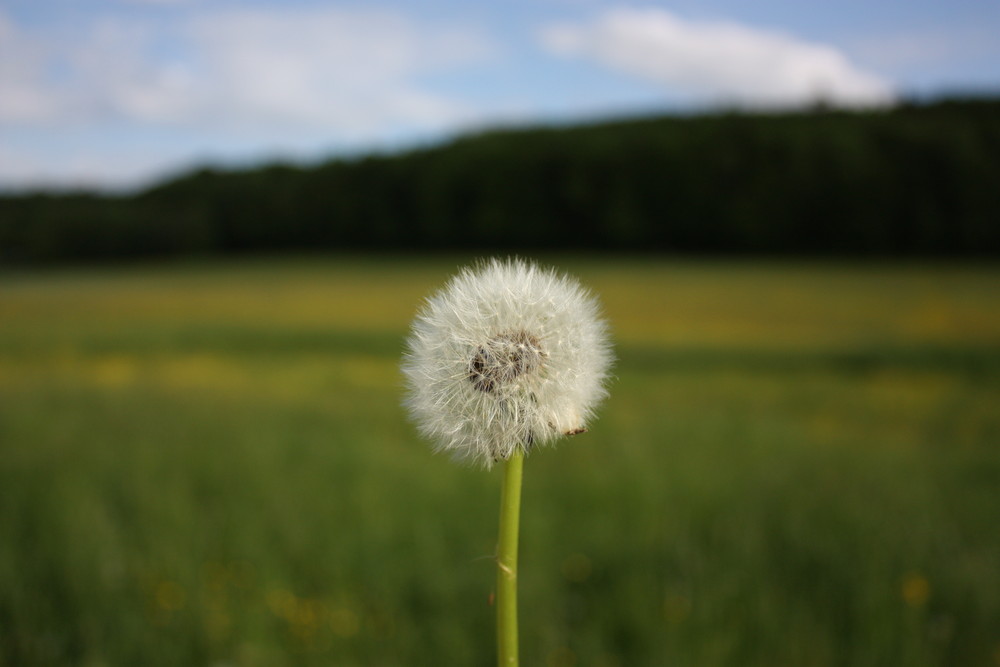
(207, 464)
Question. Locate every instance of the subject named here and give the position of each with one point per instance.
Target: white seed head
(506, 356)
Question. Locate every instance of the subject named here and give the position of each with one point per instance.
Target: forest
(916, 180)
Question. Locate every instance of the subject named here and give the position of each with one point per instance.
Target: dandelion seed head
(507, 355)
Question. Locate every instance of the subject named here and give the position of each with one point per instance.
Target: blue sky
(118, 93)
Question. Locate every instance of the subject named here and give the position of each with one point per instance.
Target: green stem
(510, 512)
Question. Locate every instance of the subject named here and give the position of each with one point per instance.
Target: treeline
(917, 180)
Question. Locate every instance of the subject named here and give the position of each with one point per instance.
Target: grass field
(207, 464)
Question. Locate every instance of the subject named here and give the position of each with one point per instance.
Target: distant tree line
(916, 180)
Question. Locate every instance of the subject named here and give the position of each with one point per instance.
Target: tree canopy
(915, 180)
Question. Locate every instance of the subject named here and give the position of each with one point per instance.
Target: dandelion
(506, 357)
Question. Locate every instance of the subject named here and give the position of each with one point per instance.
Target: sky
(117, 94)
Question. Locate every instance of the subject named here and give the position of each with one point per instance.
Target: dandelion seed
(505, 357)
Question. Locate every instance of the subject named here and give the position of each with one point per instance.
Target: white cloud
(344, 69)
(718, 62)
(25, 169)
(347, 71)
(23, 97)
(928, 49)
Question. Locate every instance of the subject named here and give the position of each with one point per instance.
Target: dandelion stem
(510, 511)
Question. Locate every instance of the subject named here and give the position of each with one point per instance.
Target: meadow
(206, 463)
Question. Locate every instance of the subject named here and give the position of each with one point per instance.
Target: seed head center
(503, 359)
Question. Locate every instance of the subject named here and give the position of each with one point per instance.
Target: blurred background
(217, 220)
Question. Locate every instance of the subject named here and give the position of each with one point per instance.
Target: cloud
(354, 70)
(23, 95)
(920, 51)
(24, 168)
(348, 71)
(718, 62)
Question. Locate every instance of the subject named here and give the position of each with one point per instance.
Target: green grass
(207, 464)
